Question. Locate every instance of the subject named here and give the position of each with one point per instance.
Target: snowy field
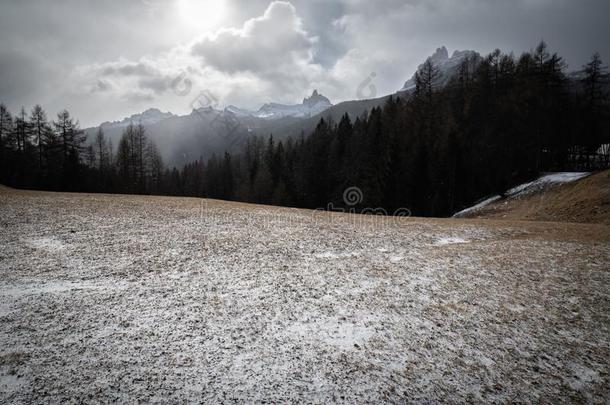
(122, 298)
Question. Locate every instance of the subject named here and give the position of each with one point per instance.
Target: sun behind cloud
(204, 15)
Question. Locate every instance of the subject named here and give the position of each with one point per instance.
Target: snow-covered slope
(447, 66)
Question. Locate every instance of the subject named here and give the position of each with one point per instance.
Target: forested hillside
(498, 122)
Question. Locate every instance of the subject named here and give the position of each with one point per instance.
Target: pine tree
(426, 80)
(139, 146)
(101, 150)
(124, 162)
(22, 131)
(6, 130)
(155, 168)
(41, 130)
(71, 138)
(227, 177)
(592, 82)
(594, 102)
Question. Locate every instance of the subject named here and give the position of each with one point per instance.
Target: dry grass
(109, 298)
(585, 201)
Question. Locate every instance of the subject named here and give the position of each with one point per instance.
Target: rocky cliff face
(446, 66)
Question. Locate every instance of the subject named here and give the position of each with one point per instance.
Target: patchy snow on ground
(545, 181)
(449, 241)
(144, 299)
(478, 206)
(540, 184)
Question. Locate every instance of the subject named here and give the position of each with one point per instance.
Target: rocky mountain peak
(315, 99)
(446, 65)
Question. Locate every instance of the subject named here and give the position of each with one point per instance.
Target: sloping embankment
(585, 200)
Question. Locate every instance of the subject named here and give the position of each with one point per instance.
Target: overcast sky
(104, 60)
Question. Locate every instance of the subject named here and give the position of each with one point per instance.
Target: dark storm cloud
(63, 51)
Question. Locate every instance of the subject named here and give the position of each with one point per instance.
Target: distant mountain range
(207, 131)
(149, 117)
(313, 105)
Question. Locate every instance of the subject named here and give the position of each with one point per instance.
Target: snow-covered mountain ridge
(311, 106)
(149, 117)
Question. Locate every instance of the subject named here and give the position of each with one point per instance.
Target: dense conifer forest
(499, 121)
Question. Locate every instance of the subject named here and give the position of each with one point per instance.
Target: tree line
(36, 153)
(499, 121)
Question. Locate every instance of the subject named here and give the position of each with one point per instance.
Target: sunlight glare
(202, 14)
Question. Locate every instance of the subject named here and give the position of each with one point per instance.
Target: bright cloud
(161, 53)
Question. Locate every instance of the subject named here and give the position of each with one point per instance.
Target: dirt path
(125, 298)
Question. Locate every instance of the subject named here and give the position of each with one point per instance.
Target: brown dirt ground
(537, 222)
(121, 298)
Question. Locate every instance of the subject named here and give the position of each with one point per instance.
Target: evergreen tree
(41, 130)
(498, 122)
(155, 168)
(22, 133)
(101, 149)
(594, 103)
(6, 144)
